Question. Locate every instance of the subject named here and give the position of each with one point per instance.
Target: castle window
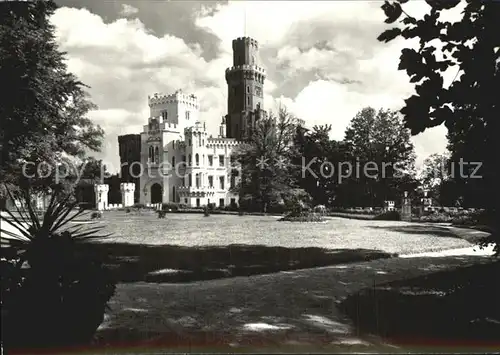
(197, 157)
(187, 115)
(248, 89)
(189, 160)
(190, 180)
(189, 142)
(210, 160)
(199, 140)
(150, 154)
(198, 180)
(157, 155)
(221, 182)
(184, 158)
(233, 181)
(211, 181)
(173, 162)
(197, 202)
(248, 100)
(221, 160)
(164, 115)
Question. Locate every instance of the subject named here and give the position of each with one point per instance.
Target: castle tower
(245, 84)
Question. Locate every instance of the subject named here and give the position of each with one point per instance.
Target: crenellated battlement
(178, 96)
(231, 142)
(101, 188)
(197, 128)
(250, 72)
(245, 40)
(247, 67)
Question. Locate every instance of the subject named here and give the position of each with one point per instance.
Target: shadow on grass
(172, 263)
(454, 307)
(432, 230)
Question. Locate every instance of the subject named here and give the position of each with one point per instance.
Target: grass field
(193, 230)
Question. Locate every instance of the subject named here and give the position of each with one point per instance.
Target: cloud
(123, 63)
(128, 10)
(322, 59)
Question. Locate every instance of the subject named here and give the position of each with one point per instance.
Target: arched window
(189, 142)
(190, 180)
(173, 162)
(157, 155)
(189, 160)
(197, 157)
(150, 153)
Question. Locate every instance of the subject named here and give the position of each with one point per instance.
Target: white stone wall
(127, 190)
(101, 196)
(179, 137)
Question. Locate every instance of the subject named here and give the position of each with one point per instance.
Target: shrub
(277, 208)
(206, 211)
(139, 206)
(170, 206)
(233, 206)
(54, 289)
(304, 216)
(388, 216)
(441, 217)
(211, 206)
(161, 213)
(128, 210)
(95, 215)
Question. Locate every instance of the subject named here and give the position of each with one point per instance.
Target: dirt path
(286, 311)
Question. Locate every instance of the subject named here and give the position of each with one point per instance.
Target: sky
(323, 60)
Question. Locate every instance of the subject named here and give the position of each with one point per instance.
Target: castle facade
(181, 162)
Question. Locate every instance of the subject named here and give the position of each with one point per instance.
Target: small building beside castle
(181, 162)
(129, 147)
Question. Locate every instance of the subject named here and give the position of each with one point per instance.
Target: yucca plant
(54, 289)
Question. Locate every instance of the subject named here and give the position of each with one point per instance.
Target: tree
(381, 158)
(437, 178)
(264, 160)
(468, 106)
(43, 114)
(318, 158)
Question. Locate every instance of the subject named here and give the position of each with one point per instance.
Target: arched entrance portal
(156, 193)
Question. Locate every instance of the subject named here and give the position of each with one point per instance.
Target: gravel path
(286, 311)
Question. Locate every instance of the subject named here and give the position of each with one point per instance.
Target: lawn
(192, 230)
(190, 247)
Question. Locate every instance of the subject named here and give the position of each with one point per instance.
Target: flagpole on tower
(244, 19)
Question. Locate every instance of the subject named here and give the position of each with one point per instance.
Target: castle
(181, 163)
